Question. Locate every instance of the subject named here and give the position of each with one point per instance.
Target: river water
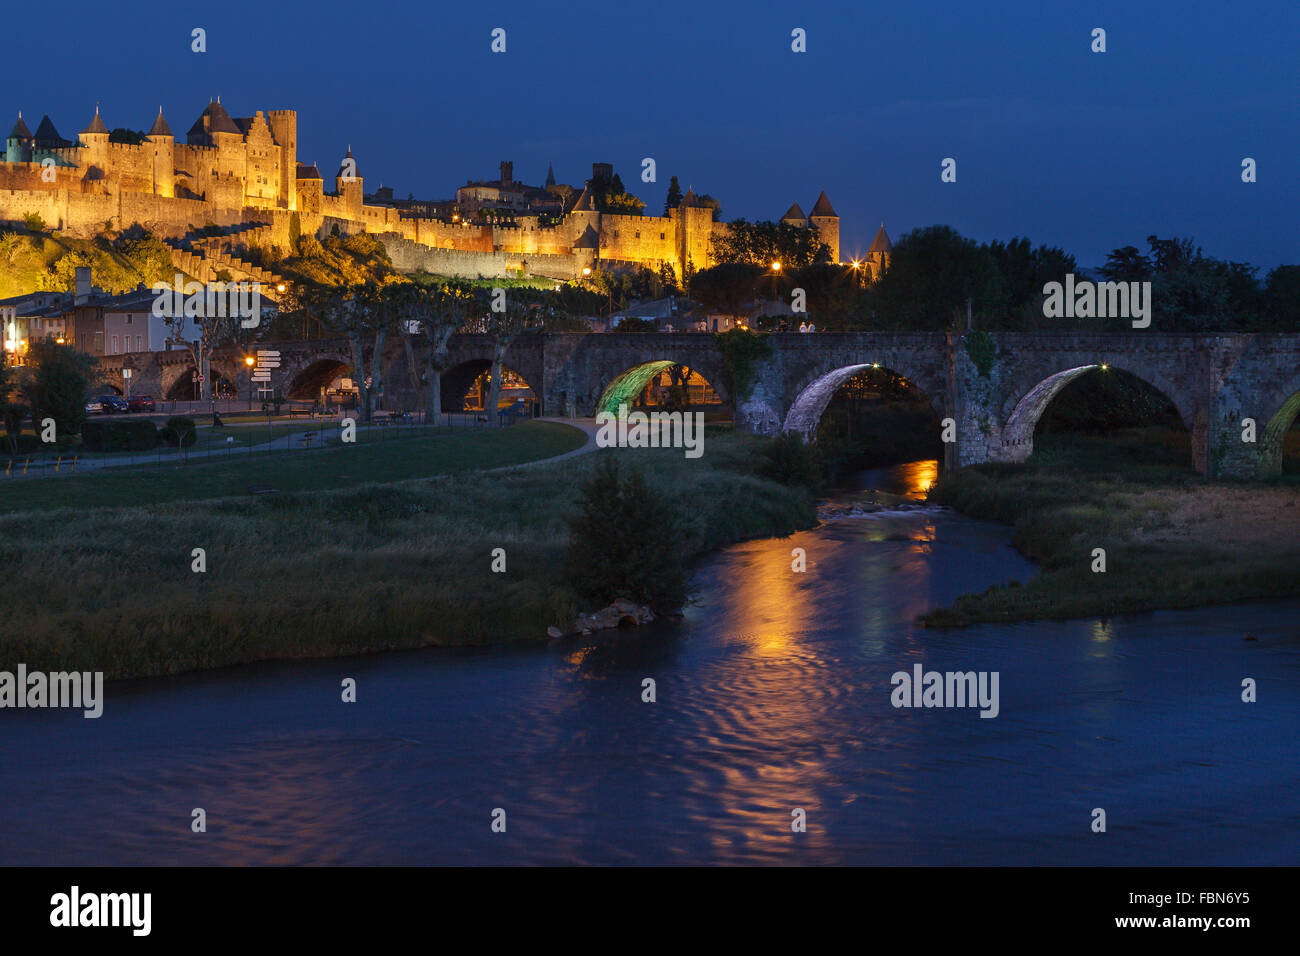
(773, 695)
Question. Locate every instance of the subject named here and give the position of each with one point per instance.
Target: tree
(201, 327)
(504, 327)
(933, 273)
(674, 196)
(1025, 270)
(1282, 297)
(727, 287)
(121, 134)
(361, 314)
(1126, 264)
(763, 243)
(12, 413)
(626, 541)
(435, 315)
(57, 386)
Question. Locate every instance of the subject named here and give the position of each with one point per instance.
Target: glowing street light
(776, 267)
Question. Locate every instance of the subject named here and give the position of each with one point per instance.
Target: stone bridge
(1216, 382)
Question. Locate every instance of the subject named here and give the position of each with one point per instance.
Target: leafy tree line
(938, 280)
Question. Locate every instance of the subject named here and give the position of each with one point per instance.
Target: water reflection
(912, 479)
(773, 694)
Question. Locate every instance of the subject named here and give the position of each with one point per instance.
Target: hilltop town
(240, 179)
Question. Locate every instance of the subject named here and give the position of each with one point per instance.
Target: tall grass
(322, 573)
(1078, 493)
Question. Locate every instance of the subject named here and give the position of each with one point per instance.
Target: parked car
(140, 403)
(113, 404)
(94, 407)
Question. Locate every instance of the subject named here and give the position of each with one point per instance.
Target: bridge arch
(810, 404)
(628, 385)
(309, 381)
(1272, 437)
(460, 379)
(1017, 439)
(179, 384)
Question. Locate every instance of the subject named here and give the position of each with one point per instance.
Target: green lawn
(447, 452)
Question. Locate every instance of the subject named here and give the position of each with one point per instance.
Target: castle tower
(348, 183)
(880, 253)
(694, 229)
(95, 138)
(794, 217)
(507, 173)
(163, 143)
(284, 127)
(18, 146)
(550, 175)
(827, 224)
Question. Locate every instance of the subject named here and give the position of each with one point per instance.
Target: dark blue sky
(1071, 148)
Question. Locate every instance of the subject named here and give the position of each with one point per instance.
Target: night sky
(1071, 148)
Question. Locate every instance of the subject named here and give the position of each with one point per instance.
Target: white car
(94, 407)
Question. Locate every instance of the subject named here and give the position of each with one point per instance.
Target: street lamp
(250, 362)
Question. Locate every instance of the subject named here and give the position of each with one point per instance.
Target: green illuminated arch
(625, 389)
(1274, 437)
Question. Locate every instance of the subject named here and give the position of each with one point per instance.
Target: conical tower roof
(823, 207)
(348, 170)
(690, 199)
(20, 130)
(881, 243)
(550, 174)
(794, 212)
(96, 125)
(47, 135)
(588, 239)
(213, 119)
(160, 127)
(584, 203)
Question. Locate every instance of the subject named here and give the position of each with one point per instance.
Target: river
(773, 695)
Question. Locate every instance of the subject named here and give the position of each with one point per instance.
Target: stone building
(243, 174)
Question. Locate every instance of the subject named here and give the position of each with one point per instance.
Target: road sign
(126, 373)
(261, 376)
(268, 353)
(262, 363)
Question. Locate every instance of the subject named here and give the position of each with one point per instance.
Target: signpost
(267, 359)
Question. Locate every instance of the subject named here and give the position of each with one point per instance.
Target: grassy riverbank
(195, 477)
(1170, 538)
(309, 573)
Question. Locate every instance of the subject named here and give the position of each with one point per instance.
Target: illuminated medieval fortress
(243, 174)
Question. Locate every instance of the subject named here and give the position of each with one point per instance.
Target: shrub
(130, 435)
(790, 460)
(626, 542)
(179, 432)
(636, 324)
